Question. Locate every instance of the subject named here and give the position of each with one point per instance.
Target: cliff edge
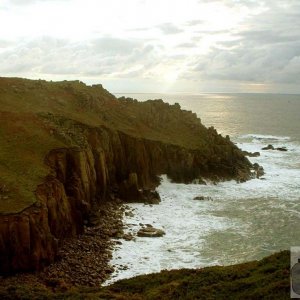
(66, 147)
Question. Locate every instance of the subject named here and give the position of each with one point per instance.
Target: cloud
(253, 41)
(194, 22)
(29, 2)
(169, 28)
(186, 45)
(96, 57)
(266, 49)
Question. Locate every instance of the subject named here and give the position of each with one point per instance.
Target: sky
(159, 46)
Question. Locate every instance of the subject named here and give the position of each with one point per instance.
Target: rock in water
(150, 232)
(281, 149)
(202, 198)
(269, 147)
(259, 170)
(251, 154)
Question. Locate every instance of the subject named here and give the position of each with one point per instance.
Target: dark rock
(281, 149)
(151, 197)
(202, 198)
(129, 190)
(128, 237)
(129, 214)
(269, 147)
(259, 170)
(251, 154)
(150, 232)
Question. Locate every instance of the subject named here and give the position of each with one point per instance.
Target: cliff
(66, 147)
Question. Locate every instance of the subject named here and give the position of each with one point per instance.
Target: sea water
(236, 222)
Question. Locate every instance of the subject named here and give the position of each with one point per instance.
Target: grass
(24, 144)
(30, 111)
(264, 279)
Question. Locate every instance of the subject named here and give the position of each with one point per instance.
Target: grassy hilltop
(66, 148)
(37, 116)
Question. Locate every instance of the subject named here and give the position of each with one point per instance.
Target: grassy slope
(265, 279)
(27, 111)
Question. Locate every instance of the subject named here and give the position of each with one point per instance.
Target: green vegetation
(265, 279)
(24, 144)
(37, 116)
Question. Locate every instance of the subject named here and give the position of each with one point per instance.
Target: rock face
(99, 164)
(26, 241)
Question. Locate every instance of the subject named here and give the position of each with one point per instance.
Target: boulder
(281, 149)
(128, 237)
(150, 232)
(202, 198)
(269, 147)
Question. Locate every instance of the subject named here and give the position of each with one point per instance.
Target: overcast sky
(155, 45)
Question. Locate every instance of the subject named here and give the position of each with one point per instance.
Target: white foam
(265, 137)
(243, 222)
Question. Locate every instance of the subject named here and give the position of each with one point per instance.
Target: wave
(258, 212)
(261, 137)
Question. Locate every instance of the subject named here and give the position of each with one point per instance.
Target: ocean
(238, 222)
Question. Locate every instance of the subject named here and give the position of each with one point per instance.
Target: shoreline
(82, 260)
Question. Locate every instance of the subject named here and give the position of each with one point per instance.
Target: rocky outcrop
(116, 150)
(112, 164)
(271, 147)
